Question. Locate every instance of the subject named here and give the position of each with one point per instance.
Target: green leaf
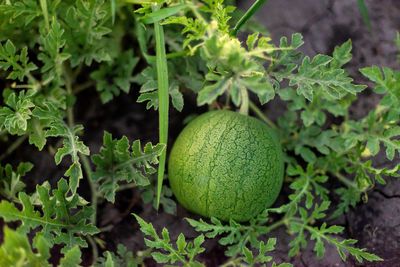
(16, 116)
(72, 258)
(160, 258)
(62, 221)
(116, 76)
(183, 254)
(373, 145)
(72, 146)
(118, 161)
(18, 65)
(322, 73)
(342, 54)
(149, 90)
(122, 257)
(51, 53)
(16, 250)
(86, 24)
(11, 183)
(210, 92)
(181, 243)
(386, 83)
(26, 10)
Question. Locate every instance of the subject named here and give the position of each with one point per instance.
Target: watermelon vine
(56, 55)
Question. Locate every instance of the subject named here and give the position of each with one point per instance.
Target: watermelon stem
(261, 115)
(244, 106)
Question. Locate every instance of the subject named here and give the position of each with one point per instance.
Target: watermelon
(226, 165)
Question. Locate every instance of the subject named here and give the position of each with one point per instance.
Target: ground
(324, 24)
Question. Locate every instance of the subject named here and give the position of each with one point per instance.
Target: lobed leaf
(184, 253)
(59, 221)
(119, 161)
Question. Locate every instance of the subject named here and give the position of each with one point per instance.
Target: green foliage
(111, 79)
(17, 63)
(262, 250)
(166, 201)
(119, 161)
(17, 251)
(51, 45)
(123, 257)
(59, 222)
(72, 146)
(87, 25)
(14, 117)
(299, 226)
(386, 83)
(11, 183)
(237, 234)
(184, 251)
(149, 90)
(51, 51)
(322, 74)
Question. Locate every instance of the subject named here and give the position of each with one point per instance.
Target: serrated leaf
(60, 222)
(210, 92)
(116, 76)
(11, 183)
(86, 24)
(17, 250)
(120, 162)
(51, 53)
(17, 64)
(373, 145)
(72, 146)
(160, 258)
(169, 253)
(72, 258)
(16, 116)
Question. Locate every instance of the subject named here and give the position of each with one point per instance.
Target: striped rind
(226, 165)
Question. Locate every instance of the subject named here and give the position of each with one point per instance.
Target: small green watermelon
(226, 165)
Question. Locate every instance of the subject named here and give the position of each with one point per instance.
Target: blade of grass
(364, 13)
(163, 98)
(112, 7)
(252, 10)
(43, 5)
(161, 14)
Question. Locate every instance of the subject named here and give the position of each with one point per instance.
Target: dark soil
(324, 24)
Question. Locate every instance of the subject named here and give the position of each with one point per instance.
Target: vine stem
(126, 187)
(250, 12)
(83, 86)
(261, 115)
(93, 189)
(163, 98)
(68, 85)
(68, 75)
(94, 246)
(244, 107)
(13, 146)
(344, 180)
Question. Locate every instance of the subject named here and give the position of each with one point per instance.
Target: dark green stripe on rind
(226, 165)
